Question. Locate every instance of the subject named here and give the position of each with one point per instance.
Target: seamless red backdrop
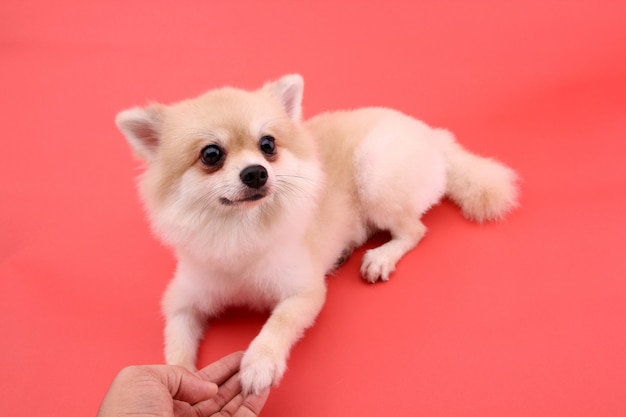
(525, 317)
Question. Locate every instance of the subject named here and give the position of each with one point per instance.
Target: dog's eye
(211, 155)
(267, 145)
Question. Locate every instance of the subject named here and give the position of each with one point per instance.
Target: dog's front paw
(261, 367)
(377, 265)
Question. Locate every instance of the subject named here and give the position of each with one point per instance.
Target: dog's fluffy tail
(485, 189)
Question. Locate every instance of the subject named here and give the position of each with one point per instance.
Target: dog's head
(226, 153)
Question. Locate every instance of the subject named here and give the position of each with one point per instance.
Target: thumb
(186, 386)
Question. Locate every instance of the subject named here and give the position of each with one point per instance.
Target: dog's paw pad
(260, 371)
(377, 266)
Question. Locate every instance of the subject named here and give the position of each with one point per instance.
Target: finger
(222, 369)
(184, 385)
(248, 406)
(226, 393)
(183, 409)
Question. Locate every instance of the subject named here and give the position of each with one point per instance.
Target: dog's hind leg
(400, 173)
(380, 262)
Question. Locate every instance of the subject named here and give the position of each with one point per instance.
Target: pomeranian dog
(259, 206)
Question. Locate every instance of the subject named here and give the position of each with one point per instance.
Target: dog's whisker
(298, 188)
(293, 192)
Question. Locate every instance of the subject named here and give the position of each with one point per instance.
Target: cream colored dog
(259, 206)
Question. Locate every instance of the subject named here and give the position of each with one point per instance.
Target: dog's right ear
(141, 127)
(288, 90)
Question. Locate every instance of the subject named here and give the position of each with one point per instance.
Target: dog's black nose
(254, 176)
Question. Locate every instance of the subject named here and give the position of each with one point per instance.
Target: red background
(521, 318)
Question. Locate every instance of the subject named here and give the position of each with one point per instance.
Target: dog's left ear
(288, 90)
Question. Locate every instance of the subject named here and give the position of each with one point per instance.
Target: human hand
(230, 400)
(174, 391)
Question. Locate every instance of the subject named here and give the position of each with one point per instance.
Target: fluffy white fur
(333, 181)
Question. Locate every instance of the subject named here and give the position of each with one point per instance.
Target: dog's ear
(288, 90)
(141, 127)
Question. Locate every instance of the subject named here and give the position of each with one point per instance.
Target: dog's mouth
(247, 199)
